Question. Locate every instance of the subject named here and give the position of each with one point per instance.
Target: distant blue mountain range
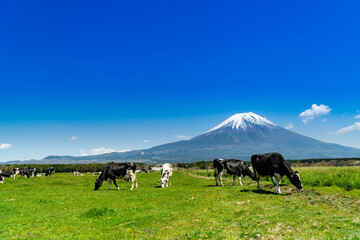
(239, 137)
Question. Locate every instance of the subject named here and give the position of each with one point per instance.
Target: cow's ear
(296, 172)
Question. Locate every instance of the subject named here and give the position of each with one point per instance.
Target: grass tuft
(98, 212)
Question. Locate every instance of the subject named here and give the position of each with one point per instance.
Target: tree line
(97, 167)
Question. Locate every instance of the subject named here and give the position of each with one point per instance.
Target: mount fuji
(239, 136)
(245, 134)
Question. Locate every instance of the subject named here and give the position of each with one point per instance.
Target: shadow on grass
(264, 192)
(113, 189)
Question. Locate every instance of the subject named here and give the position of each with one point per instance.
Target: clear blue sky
(126, 75)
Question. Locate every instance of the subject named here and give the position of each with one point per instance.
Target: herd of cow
(24, 172)
(271, 165)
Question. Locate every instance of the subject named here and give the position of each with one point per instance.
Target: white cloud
(324, 120)
(314, 111)
(73, 138)
(83, 152)
(289, 126)
(101, 150)
(354, 127)
(357, 116)
(182, 137)
(146, 141)
(5, 146)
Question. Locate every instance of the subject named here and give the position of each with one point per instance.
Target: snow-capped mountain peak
(244, 121)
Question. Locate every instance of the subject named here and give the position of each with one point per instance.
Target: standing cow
(231, 167)
(3, 175)
(274, 165)
(49, 171)
(117, 170)
(166, 173)
(24, 172)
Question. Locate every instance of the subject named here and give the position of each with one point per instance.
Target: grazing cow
(274, 165)
(22, 171)
(117, 170)
(76, 173)
(49, 171)
(4, 175)
(32, 171)
(166, 174)
(233, 168)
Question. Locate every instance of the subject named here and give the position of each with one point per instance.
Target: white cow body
(166, 174)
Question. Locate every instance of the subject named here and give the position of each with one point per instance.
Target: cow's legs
(279, 178)
(276, 185)
(114, 181)
(216, 175)
(239, 180)
(133, 180)
(258, 180)
(170, 180)
(109, 180)
(279, 186)
(234, 180)
(220, 178)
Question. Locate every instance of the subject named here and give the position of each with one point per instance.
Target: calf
(274, 165)
(231, 167)
(166, 174)
(117, 170)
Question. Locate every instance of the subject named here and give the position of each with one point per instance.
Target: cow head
(295, 180)
(98, 184)
(1, 179)
(247, 171)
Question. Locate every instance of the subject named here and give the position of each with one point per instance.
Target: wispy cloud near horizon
(289, 126)
(351, 128)
(98, 151)
(315, 111)
(182, 137)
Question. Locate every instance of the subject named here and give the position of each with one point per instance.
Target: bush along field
(64, 206)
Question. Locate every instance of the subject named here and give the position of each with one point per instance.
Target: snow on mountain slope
(244, 121)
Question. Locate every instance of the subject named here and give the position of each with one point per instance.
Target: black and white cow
(166, 174)
(3, 175)
(274, 165)
(22, 171)
(49, 171)
(117, 170)
(231, 167)
(32, 171)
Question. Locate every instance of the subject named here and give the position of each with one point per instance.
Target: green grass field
(66, 207)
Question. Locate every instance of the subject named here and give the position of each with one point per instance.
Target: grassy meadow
(64, 206)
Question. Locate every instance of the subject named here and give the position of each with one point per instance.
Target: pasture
(64, 206)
